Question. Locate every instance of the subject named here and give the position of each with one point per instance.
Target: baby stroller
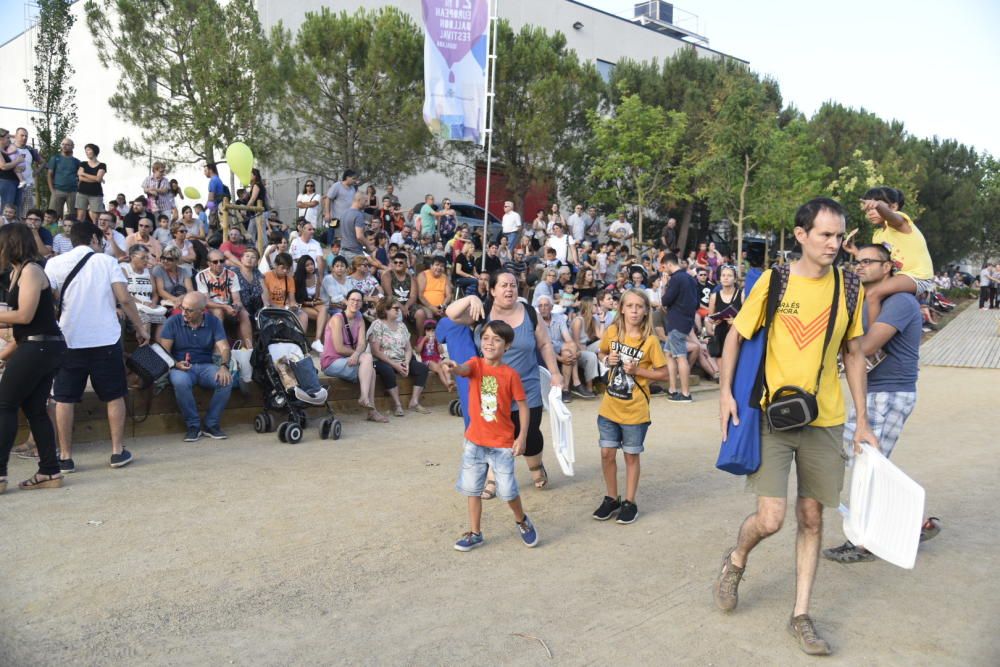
(279, 342)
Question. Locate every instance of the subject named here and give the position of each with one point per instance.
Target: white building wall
(603, 37)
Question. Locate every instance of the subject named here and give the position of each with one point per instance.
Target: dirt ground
(251, 552)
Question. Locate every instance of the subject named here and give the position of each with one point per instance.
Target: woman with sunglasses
(394, 356)
(307, 203)
(171, 281)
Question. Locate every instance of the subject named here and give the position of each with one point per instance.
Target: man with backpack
(90, 284)
(808, 311)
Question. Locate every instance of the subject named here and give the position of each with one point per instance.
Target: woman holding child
(531, 337)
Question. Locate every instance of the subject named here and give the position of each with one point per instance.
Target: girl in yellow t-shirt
(633, 355)
(906, 245)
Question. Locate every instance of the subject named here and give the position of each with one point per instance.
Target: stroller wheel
(326, 428)
(293, 433)
(452, 404)
(262, 422)
(458, 410)
(337, 428)
(283, 431)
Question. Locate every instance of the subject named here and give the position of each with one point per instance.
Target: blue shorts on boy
(489, 439)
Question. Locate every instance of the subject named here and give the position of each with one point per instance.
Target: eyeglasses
(168, 259)
(33, 217)
(216, 261)
(869, 262)
(182, 231)
(191, 310)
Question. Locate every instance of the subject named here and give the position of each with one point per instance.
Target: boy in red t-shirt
(489, 439)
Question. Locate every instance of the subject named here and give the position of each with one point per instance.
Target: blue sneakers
(528, 533)
(469, 541)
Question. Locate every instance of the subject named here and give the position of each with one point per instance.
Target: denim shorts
(627, 437)
(475, 461)
(677, 345)
(339, 368)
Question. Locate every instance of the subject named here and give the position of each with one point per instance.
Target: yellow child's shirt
(648, 354)
(909, 251)
(797, 334)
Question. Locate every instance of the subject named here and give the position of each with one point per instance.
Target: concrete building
(655, 31)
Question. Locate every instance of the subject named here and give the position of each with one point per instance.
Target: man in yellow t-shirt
(794, 347)
(905, 243)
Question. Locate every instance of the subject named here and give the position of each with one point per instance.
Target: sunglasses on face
(216, 261)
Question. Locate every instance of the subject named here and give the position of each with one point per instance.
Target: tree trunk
(781, 247)
(739, 218)
(682, 234)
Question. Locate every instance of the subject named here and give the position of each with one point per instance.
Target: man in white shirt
(511, 223)
(112, 241)
(221, 287)
(305, 244)
(89, 323)
(621, 231)
(577, 224)
(563, 245)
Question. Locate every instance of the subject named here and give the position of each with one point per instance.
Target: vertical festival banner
(455, 48)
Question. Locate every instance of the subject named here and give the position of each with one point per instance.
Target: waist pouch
(791, 408)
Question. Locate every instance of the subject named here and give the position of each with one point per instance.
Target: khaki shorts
(93, 203)
(819, 463)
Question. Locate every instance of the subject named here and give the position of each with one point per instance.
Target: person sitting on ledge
(190, 338)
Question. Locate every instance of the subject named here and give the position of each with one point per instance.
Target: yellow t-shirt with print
(909, 251)
(796, 337)
(649, 355)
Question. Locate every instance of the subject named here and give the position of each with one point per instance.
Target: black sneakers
(628, 513)
(193, 434)
(678, 397)
(121, 460)
(66, 466)
(607, 508)
(214, 432)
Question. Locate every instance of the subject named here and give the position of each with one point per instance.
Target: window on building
(604, 68)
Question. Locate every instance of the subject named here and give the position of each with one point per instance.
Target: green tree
(740, 139)
(543, 93)
(944, 203)
(352, 91)
(49, 90)
(792, 174)
(193, 74)
(637, 162)
(692, 85)
(987, 210)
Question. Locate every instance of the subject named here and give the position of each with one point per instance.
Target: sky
(935, 66)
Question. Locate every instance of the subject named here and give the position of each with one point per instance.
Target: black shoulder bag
(791, 407)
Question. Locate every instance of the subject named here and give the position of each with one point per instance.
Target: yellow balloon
(240, 159)
(192, 192)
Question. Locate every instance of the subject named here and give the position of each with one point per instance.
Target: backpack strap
(775, 291)
(852, 289)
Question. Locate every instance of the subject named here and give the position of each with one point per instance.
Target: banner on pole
(455, 48)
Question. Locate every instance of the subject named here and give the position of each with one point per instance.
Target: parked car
(468, 214)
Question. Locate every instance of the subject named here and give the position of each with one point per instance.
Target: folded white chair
(886, 509)
(561, 420)
(544, 378)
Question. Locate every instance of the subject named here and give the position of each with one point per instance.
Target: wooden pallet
(971, 340)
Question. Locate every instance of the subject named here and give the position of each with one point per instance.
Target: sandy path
(250, 552)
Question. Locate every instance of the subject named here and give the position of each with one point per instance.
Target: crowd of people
(387, 293)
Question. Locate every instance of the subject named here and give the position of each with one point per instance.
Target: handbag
(792, 407)
(149, 363)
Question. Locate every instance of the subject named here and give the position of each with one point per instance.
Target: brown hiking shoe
(801, 627)
(727, 586)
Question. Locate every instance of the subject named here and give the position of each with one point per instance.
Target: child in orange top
(489, 439)
(905, 243)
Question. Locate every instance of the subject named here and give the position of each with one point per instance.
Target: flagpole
(490, 83)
